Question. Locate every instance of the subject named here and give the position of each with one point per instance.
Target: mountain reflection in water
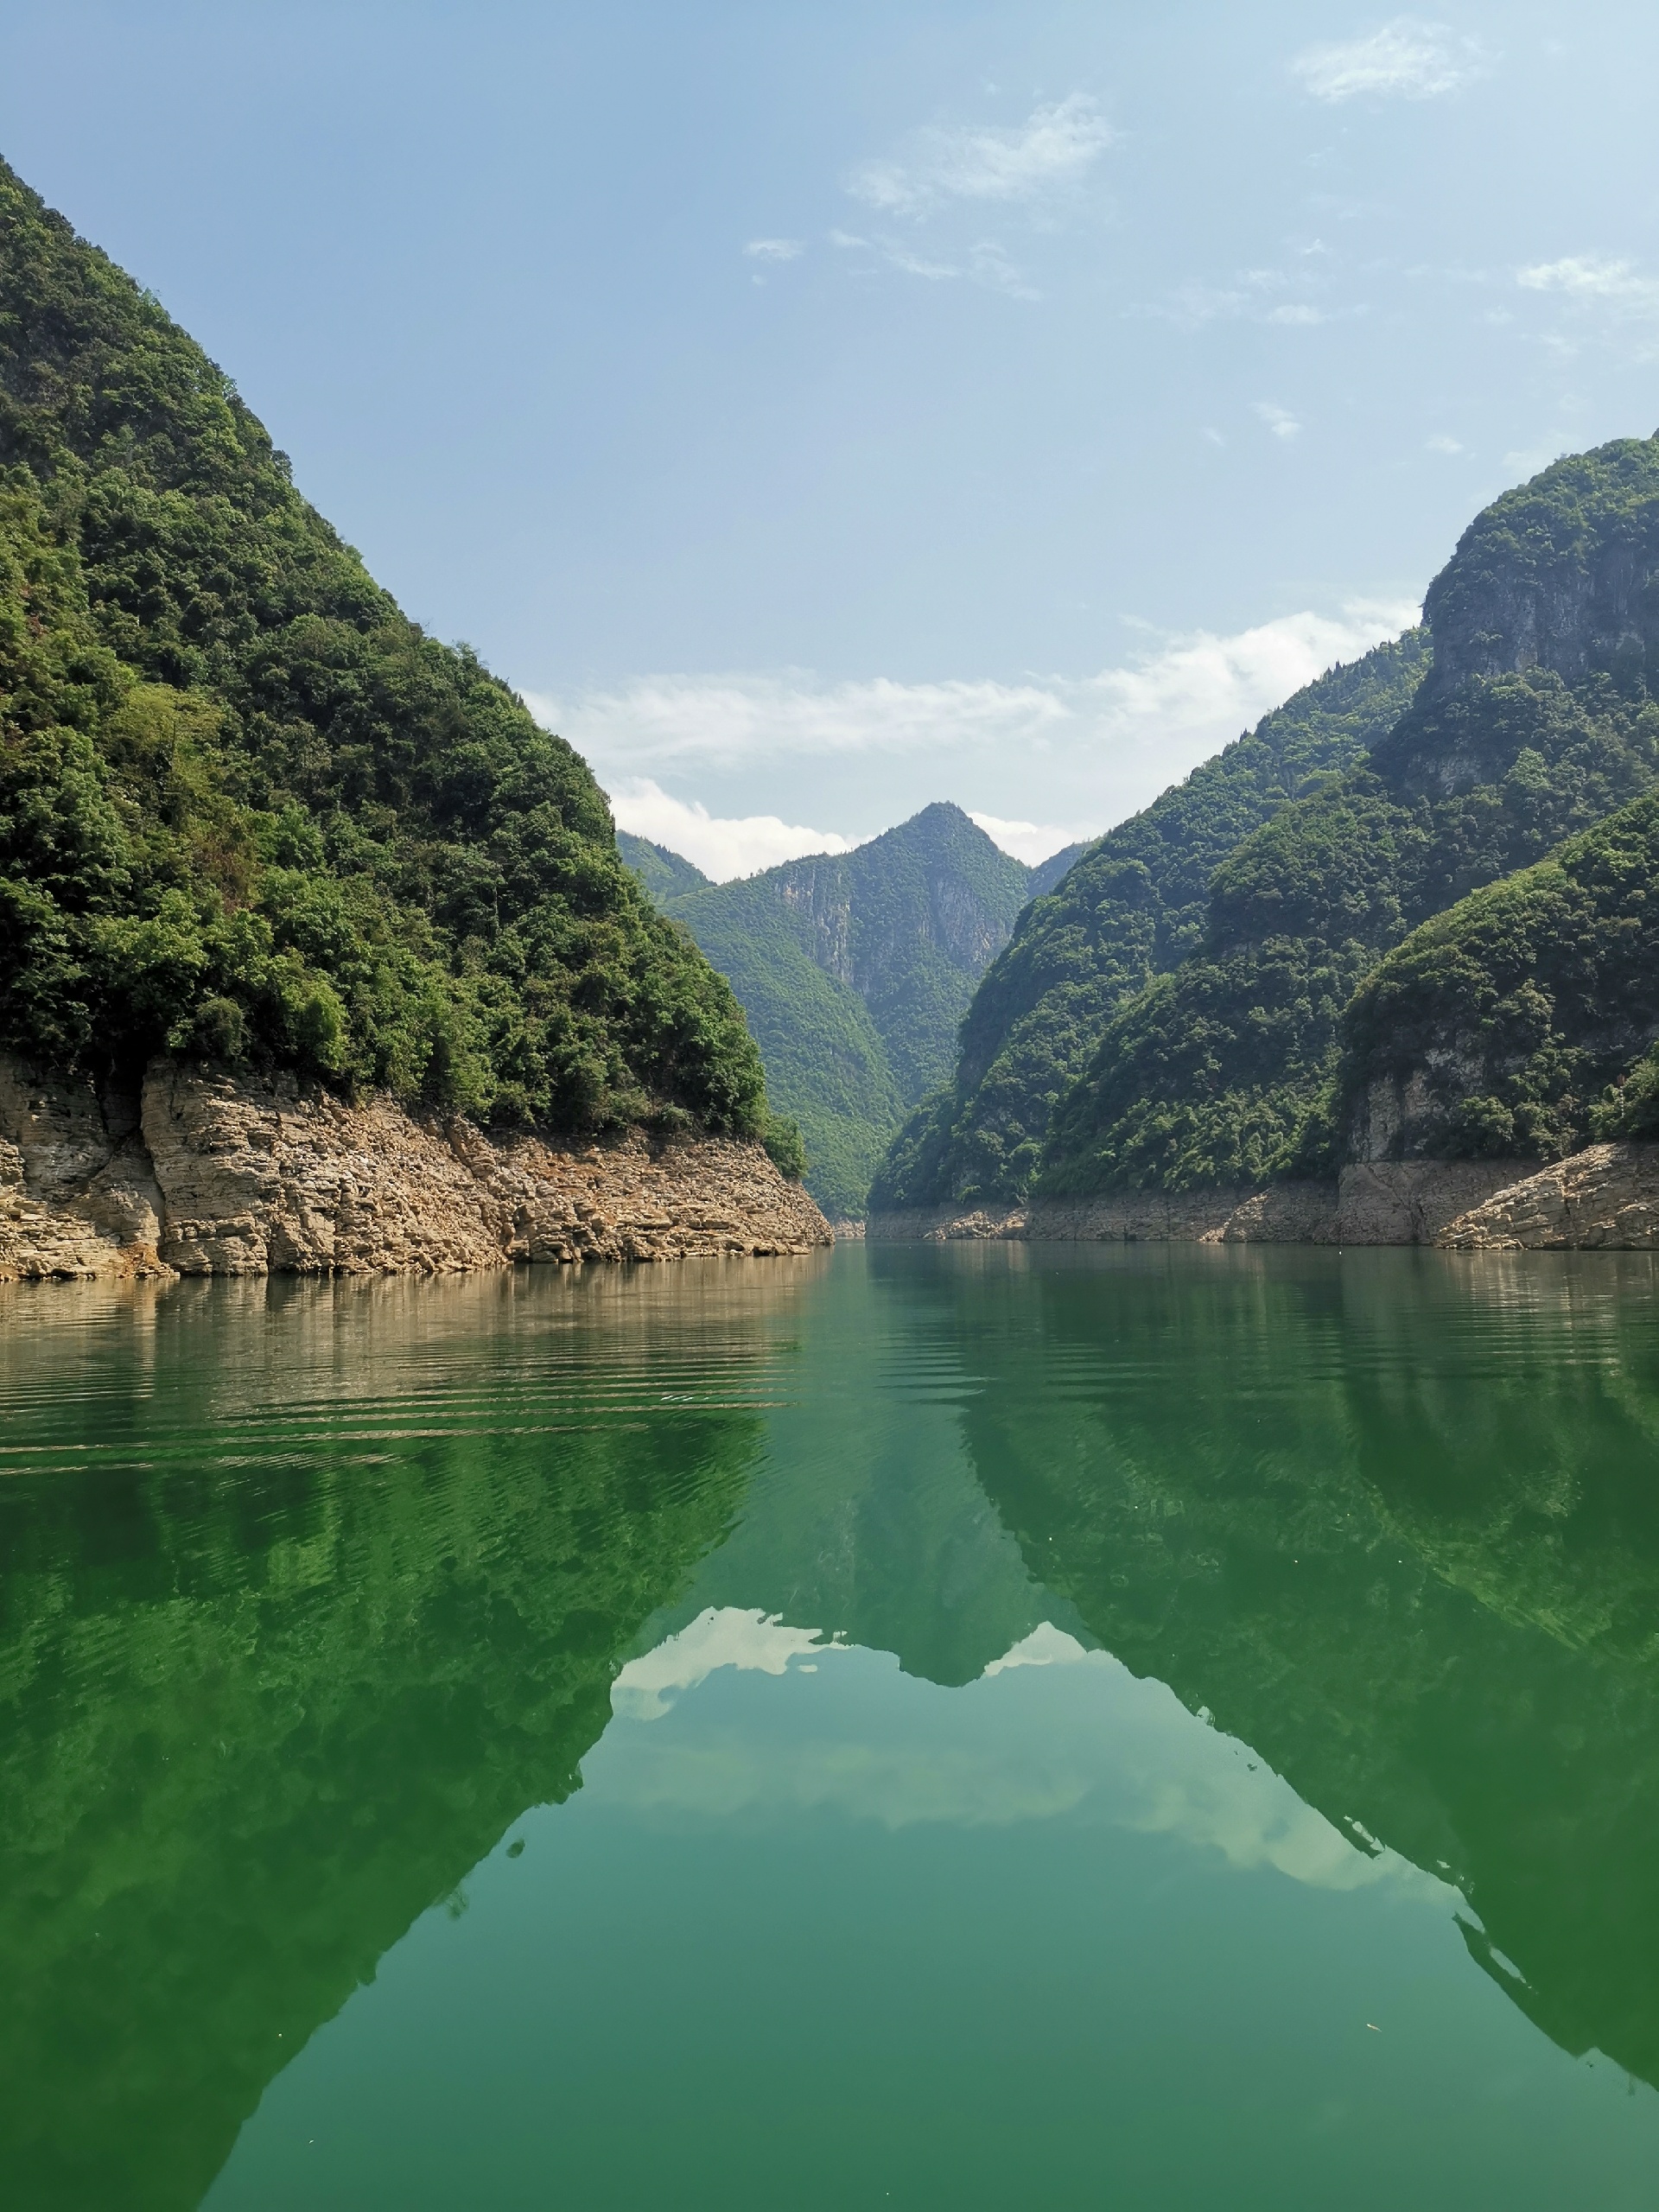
(308, 1592)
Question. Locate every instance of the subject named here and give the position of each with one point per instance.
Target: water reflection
(306, 1594)
(1394, 1521)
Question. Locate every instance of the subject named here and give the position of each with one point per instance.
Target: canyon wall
(199, 1173)
(1606, 1197)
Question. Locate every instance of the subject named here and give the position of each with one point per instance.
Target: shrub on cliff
(248, 810)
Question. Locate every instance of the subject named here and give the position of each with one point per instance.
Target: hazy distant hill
(664, 875)
(853, 969)
(1130, 906)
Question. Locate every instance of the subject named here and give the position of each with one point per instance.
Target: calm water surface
(936, 1727)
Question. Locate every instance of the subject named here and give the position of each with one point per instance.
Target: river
(917, 1726)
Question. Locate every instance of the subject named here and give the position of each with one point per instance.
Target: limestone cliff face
(1558, 574)
(1605, 1197)
(201, 1174)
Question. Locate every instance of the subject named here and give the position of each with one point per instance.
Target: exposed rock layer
(205, 1175)
(1607, 1196)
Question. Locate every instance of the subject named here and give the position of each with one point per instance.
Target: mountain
(1047, 874)
(663, 873)
(250, 813)
(1534, 725)
(853, 969)
(1131, 907)
(1517, 1022)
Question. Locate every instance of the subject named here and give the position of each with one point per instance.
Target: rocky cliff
(199, 1173)
(1604, 1199)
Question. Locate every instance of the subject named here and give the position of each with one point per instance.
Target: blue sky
(820, 409)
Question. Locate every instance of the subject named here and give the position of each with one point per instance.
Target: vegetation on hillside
(853, 969)
(1133, 905)
(664, 875)
(248, 811)
(1227, 1069)
(1524, 1007)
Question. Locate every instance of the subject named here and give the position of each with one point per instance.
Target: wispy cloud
(1253, 295)
(1405, 60)
(723, 846)
(1283, 423)
(1053, 151)
(1441, 443)
(775, 249)
(1595, 280)
(1111, 741)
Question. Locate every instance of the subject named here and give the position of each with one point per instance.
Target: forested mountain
(853, 969)
(663, 873)
(248, 811)
(1535, 724)
(1132, 906)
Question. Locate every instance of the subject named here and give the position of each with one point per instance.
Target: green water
(940, 1727)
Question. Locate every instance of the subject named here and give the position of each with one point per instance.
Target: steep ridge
(251, 816)
(1534, 723)
(853, 969)
(1132, 906)
(665, 874)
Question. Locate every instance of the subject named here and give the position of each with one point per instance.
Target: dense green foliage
(1133, 907)
(248, 811)
(1224, 1072)
(664, 875)
(1227, 1069)
(853, 969)
(1522, 1007)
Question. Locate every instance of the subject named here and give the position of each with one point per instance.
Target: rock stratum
(1605, 1197)
(206, 1174)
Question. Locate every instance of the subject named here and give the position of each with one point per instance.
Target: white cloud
(775, 249)
(1114, 739)
(1594, 280)
(1443, 444)
(1051, 151)
(1047, 1731)
(1031, 842)
(1299, 316)
(1045, 1646)
(1406, 60)
(1278, 420)
(721, 846)
(724, 1636)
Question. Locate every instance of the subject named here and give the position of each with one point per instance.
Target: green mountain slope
(1513, 1023)
(1133, 905)
(664, 875)
(1536, 723)
(248, 811)
(853, 969)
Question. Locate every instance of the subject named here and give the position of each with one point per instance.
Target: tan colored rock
(208, 1175)
(1605, 1197)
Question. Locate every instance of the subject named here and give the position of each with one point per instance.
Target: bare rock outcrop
(205, 1174)
(1605, 1197)
(1375, 1202)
